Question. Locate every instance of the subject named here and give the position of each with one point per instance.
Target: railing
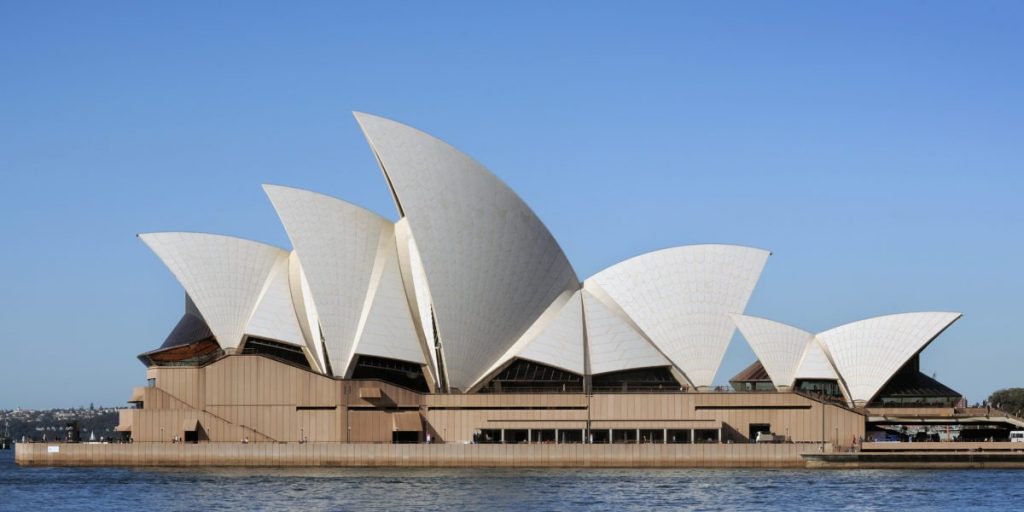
(837, 401)
(217, 416)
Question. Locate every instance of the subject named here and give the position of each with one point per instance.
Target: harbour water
(395, 489)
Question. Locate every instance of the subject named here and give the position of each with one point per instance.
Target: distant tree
(1010, 400)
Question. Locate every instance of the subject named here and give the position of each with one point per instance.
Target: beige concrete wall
(259, 398)
(411, 455)
(943, 447)
(797, 418)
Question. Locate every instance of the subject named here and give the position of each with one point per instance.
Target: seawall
(417, 455)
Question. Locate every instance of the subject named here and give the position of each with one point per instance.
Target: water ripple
(398, 489)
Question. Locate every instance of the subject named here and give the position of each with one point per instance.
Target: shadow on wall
(730, 434)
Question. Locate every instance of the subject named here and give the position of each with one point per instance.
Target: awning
(701, 424)
(407, 422)
(535, 424)
(137, 394)
(191, 425)
(125, 425)
(369, 392)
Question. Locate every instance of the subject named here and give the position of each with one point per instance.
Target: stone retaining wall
(414, 455)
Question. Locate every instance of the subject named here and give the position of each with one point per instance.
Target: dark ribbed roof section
(752, 373)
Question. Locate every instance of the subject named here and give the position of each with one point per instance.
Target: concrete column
(529, 435)
(502, 436)
(719, 435)
(664, 436)
(557, 441)
(693, 438)
(637, 436)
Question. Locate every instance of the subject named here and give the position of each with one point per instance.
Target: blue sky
(875, 148)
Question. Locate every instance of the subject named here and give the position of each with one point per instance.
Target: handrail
(215, 415)
(836, 401)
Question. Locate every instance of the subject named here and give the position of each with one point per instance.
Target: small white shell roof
(815, 364)
(681, 299)
(224, 276)
(417, 292)
(305, 311)
(386, 328)
(491, 265)
(560, 344)
(274, 317)
(338, 245)
(778, 346)
(869, 352)
(556, 339)
(614, 344)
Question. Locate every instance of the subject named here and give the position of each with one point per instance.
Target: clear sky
(876, 148)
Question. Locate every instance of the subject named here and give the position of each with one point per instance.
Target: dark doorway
(570, 436)
(656, 436)
(758, 427)
(545, 436)
(488, 436)
(705, 435)
(516, 436)
(679, 436)
(624, 436)
(405, 437)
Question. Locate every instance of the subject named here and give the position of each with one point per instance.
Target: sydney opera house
(464, 322)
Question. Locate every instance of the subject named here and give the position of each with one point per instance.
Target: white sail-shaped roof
(681, 299)
(555, 339)
(305, 311)
(614, 344)
(869, 352)
(778, 346)
(815, 364)
(274, 317)
(224, 276)
(337, 243)
(417, 292)
(386, 328)
(492, 266)
(560, 343)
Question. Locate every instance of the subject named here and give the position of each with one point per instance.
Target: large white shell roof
(349, 260)
(491, 265)
(869, 352)
(224, 276)
(471, 266)
(682, 297)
